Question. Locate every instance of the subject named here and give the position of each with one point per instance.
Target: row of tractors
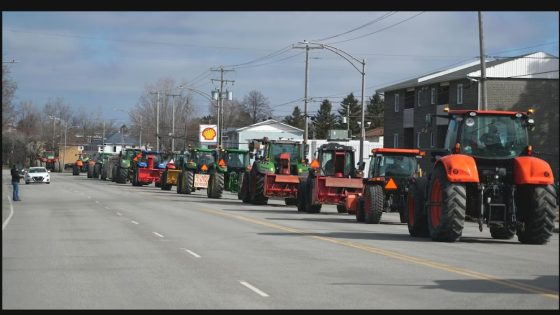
(497, 183)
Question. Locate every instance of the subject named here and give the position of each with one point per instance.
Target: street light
(352, 60)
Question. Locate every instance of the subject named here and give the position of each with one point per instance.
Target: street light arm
(206, 95)
(344, 55)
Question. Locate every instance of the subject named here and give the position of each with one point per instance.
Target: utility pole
(220, 111)
(157, 119)
(305, 115)
(482, 64)
(173, 121)
(363, 127)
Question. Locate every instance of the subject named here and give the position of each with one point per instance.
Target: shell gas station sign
(208, 134)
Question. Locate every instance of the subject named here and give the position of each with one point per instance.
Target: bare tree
(257, 105)
(8, 91)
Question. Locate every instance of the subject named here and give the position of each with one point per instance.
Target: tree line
(29, 129)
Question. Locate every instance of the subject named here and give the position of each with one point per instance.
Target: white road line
(191, 252)
(156, 233)
(259, 292)
(89, 197)
(9, 216)
(118, 213)
(96, 201)
(134, 222)
(107, 208)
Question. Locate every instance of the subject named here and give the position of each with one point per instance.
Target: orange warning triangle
(391, 184)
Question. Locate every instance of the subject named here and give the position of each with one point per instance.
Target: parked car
(37, 175)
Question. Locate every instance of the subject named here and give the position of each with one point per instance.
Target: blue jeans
(15, 186)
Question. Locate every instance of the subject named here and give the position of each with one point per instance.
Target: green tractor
(99, 161)
(195, 174)
(122, 173)
(276, 172)
(227, 173)
(237, 162)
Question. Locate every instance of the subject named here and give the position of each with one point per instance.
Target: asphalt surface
(82, 243)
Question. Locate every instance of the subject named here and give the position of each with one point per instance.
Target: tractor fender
(459, 168)
(532, 170)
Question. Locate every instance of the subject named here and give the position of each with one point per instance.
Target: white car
(37, 175)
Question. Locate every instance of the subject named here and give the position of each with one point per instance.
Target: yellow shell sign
(208, 133)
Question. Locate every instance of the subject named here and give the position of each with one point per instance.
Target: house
(273, 129)
(513, 83)
(113, 143)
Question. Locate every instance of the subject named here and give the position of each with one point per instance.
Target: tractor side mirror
(361, 165)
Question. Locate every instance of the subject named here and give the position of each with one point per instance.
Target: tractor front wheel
(447, 208)
(75, 170)
(341, 209)
(302, 195)
(243, 193)
(536, 206)
(373, 204)
(417, 220)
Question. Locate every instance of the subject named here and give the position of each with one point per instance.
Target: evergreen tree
(355, 114)
(296, 119)
(324, 120)
(375, 110)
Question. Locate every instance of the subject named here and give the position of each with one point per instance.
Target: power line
(359, 27)
(385, 28)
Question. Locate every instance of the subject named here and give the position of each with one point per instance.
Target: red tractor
(487, 172)
(390, 171)
(147, 168)
(333, 179)
(50, 161)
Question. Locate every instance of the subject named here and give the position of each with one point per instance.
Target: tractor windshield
(337, 162)
(201, 157)
(392, 166)
(237, 159)
(492, 136)
(291, 148)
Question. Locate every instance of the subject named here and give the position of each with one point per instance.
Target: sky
(102, 61)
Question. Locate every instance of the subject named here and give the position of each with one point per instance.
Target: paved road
(81, 243)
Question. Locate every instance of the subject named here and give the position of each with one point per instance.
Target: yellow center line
(396, 255)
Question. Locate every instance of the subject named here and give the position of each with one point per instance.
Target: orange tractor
(486, 171)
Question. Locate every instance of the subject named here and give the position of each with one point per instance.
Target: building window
(419, 97)
(460, 93)
(433, 96)
(418, 139)
(443, 95)
(409, 99)
(395, 140)
(396, 103)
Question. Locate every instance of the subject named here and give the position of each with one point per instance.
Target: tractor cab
(336, 160)
(488, 134)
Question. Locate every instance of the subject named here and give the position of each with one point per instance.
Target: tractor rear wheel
(360, 212)
(163, 181)
(311, 208)
(243, 193)
(302, 195)
(417, 220)
(122, 175)
(96, 171)
(260, 198)
(447, 208)
(536, 207)
(75, 170)
(215, 185)
(341, 209)
(180, 182)
(290, 201)
(57, 166)
(373, 204)
(188, 182)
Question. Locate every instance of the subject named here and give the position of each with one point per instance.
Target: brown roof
(375, 132)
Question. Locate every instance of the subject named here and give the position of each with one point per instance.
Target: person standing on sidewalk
(15, 183)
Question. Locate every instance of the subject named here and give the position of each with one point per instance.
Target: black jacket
(15, 175)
